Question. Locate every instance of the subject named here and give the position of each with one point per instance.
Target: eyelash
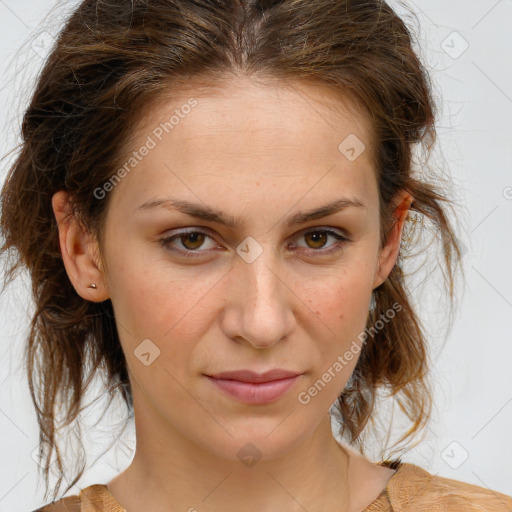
(341, 242)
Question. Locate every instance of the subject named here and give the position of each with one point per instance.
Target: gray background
(469, 436)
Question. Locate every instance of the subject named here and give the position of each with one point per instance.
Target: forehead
(230, 132)
(262, 103)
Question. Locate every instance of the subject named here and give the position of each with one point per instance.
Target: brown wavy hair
(111, 62)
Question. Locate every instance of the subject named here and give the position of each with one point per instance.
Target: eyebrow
(209, 214)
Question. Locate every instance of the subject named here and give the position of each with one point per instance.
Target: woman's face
(271, 287)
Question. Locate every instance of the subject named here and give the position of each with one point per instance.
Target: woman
(210, 198)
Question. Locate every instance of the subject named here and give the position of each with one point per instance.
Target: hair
(114, 60)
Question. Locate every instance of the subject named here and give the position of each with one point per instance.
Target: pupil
(317, 236)
(191, 239)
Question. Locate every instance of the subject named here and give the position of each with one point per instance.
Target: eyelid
(212, 234)
(339, 234)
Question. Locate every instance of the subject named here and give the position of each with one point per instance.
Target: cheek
(341, 304)
(342, 299)
(171, 309)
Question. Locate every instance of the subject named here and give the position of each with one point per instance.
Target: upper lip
(251, 376)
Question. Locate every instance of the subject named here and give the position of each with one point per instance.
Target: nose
(260, 307)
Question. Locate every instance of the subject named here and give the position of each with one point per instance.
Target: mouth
(254, 388)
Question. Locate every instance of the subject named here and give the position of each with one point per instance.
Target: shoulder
(92, 498)
(413, 488)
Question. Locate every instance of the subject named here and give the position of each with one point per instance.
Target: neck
(172, 474)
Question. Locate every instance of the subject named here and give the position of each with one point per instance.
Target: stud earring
(92, 285)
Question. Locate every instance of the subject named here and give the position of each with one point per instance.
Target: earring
(92, 285)
(373, 303)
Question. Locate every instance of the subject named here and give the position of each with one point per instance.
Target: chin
(251, 439)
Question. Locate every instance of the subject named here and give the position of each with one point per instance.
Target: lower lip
(255, 393)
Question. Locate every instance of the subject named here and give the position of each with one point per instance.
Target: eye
(318, 238)
(192, 240)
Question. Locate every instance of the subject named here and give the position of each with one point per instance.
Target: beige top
(410, 489)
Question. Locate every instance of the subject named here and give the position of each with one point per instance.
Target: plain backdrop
(467, 46)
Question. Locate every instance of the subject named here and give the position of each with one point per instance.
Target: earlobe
(389, 253)
(77, 248)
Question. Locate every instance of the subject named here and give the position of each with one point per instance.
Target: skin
(260, 153)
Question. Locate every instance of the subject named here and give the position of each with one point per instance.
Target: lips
(255, 388)
(250, 376)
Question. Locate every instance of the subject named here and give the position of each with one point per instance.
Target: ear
(389, 253)
(79, 250)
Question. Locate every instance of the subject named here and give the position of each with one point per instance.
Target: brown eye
(188, 243)
(196, 240)
(318, 238)
(317, 242)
